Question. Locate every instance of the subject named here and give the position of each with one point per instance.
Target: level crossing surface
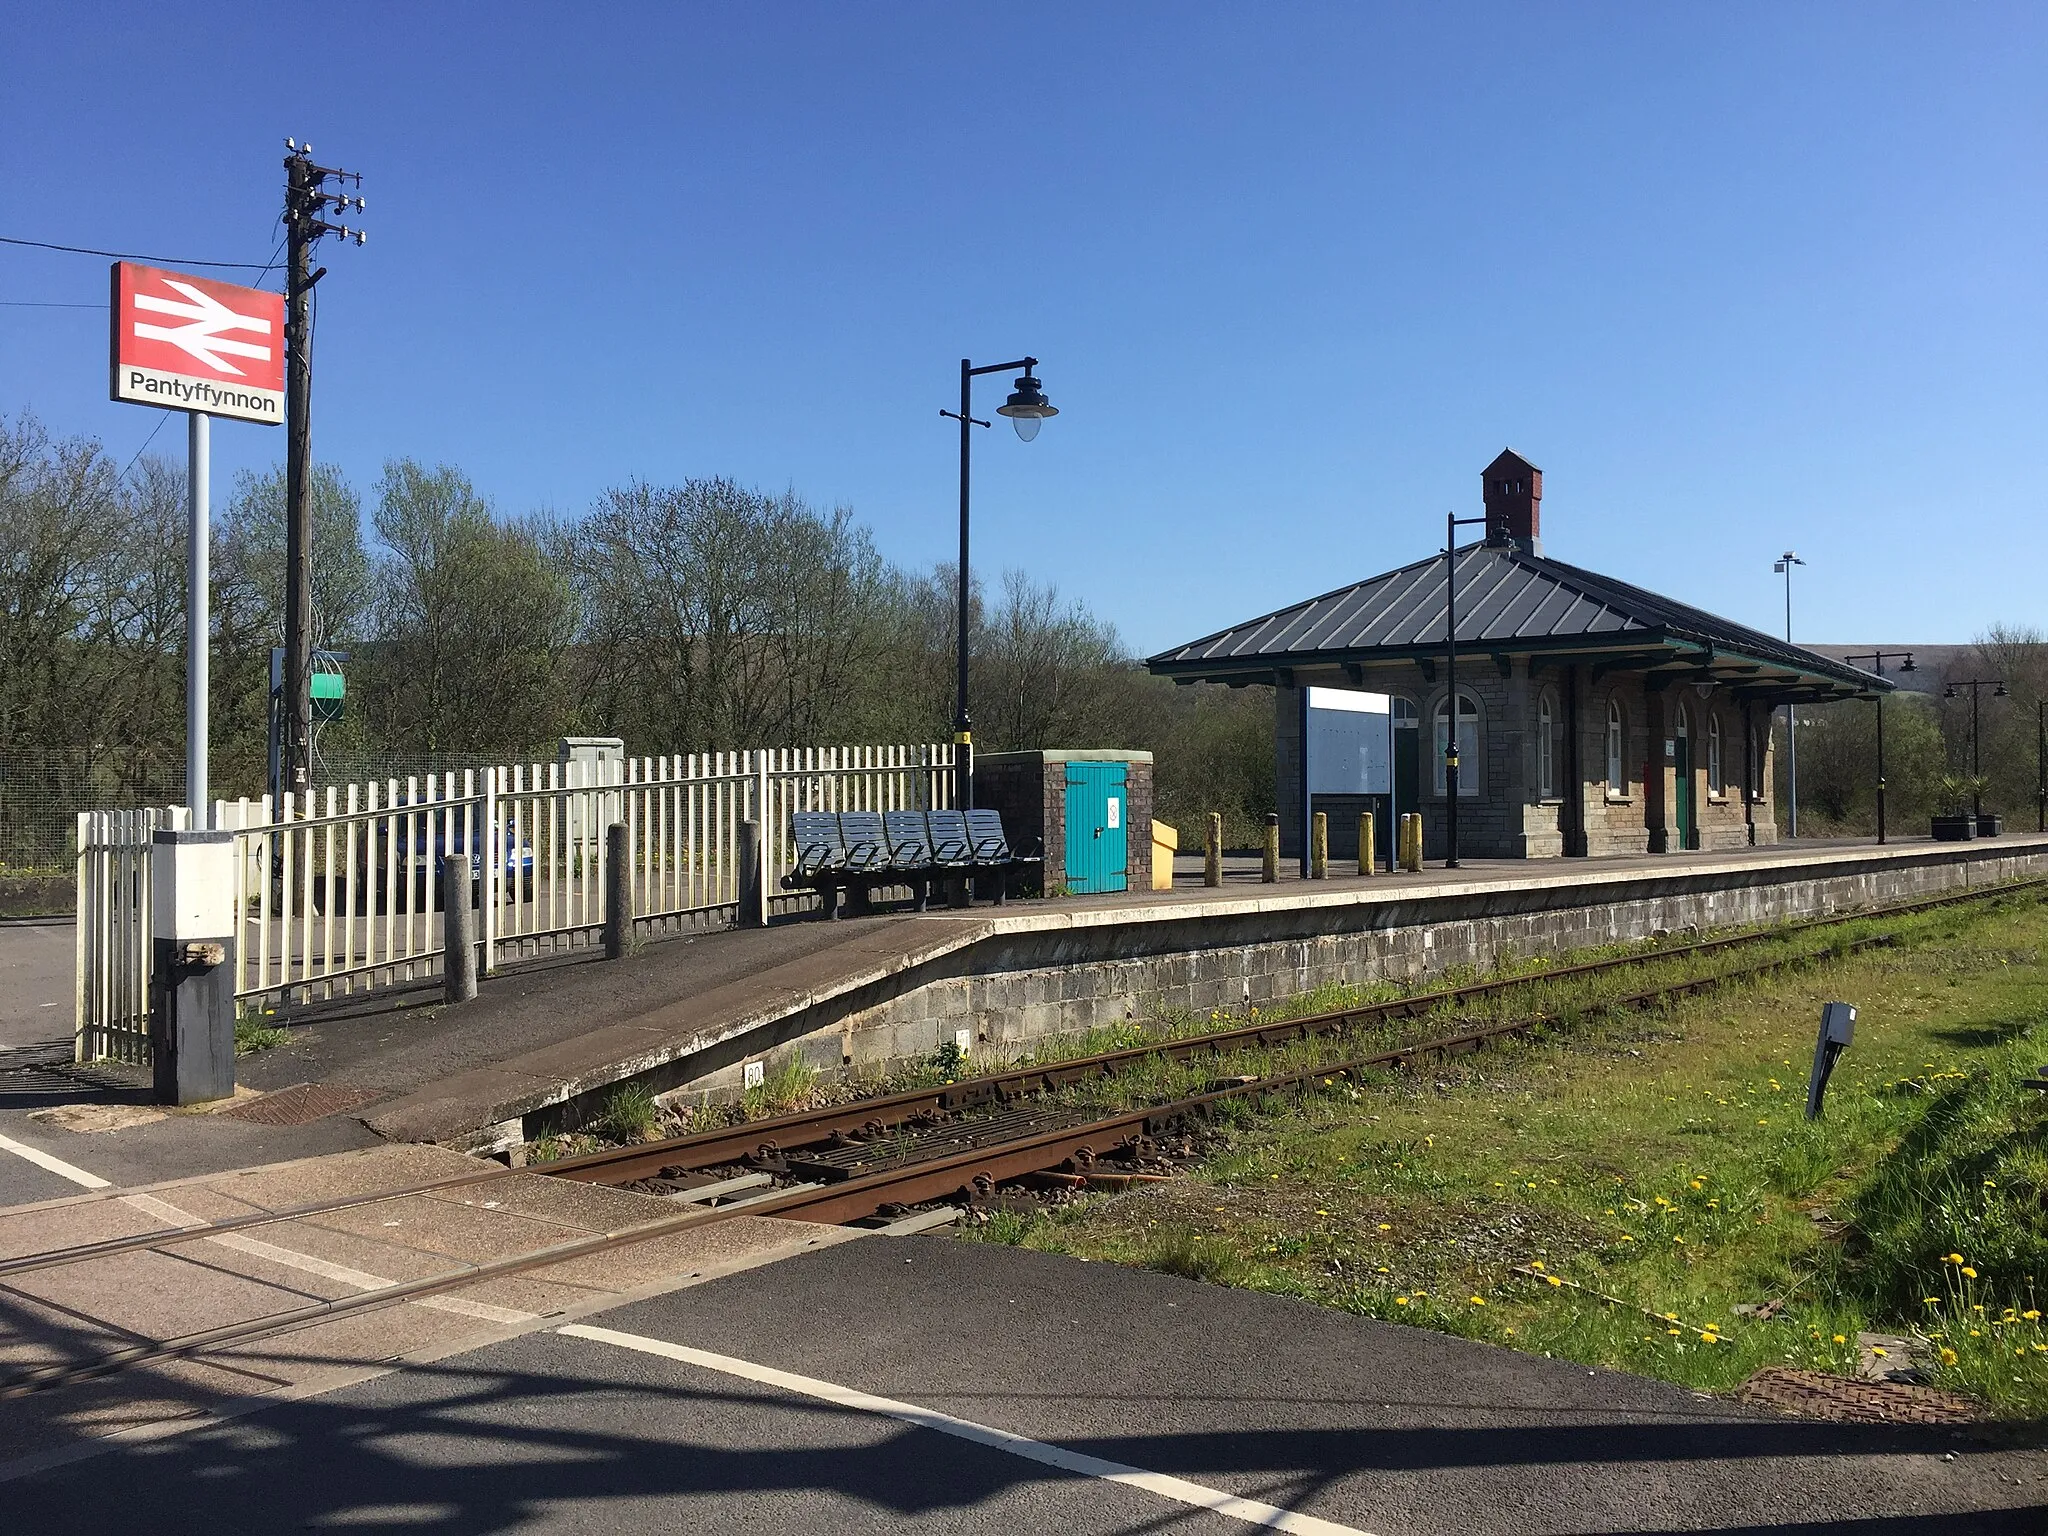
(930, 1384)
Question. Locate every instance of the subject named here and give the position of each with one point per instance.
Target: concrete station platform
(544, 1043)
(929, 1385)
(76, 1312)
(875, 991)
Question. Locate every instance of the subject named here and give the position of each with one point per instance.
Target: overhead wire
(87, 250)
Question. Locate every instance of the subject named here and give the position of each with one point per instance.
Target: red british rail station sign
(188, 343)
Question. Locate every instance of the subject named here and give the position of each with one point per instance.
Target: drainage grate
(1817, 1395)
(300, 1104)
(37, 1077)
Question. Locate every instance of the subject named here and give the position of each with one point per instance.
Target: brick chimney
(1513, 493)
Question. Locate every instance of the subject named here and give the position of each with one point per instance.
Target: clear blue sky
(1738, 278)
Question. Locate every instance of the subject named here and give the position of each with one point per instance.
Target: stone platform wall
(1080, 970)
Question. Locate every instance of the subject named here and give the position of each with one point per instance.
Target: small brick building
(1032, 791)
(1593, 717)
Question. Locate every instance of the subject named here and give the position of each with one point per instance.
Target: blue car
(417, 841)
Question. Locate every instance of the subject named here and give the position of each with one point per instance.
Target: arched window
(1546, 749)
(1470, 770)
(1714, 785)
(1617, 742)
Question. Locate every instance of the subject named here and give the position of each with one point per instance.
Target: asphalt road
(35, 982)
(1365, 1426)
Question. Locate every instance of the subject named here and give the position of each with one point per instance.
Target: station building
(1593, 717)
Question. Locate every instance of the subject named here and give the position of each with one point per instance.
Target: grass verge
(1662, 1161)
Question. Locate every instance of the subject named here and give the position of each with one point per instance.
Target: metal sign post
(198, 540)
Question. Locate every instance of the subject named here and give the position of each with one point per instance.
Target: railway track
(957, 1140)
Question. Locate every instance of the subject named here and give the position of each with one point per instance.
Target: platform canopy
(1512, 603)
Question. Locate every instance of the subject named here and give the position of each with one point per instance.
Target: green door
(1407, 765)
(1688, 829)
(1096, 828)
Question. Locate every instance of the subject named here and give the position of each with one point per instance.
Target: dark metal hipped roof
(1508, 601)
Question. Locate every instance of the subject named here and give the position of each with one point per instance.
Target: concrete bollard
(1368, 861)
(1319, 846)
(753, 911)
(1411, 841)
(1212, 853)
(1271, 871)
(458, 930)
(618, 891)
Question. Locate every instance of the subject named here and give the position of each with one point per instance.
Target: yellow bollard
(1411, 841)
(1272, 870)
(1366, 853)
(1212, 856)
(1319, 846)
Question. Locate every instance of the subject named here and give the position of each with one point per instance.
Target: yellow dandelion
(1672, 1331)
(1626, 1238)
(1554, 1280)
(1948, 1356)
(1478, 1301)
(1879, 1350)
(1969, 1273)
(1710, 1337)
(1840, 1340)
(1536, 1264)
(2031, 1315)
(1400, 1301)
(1952, 1258)
(1386, 1226)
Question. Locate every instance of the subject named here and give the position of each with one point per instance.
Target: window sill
(1621, 800)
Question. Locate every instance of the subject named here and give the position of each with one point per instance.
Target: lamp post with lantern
(1028, 410)
(1877, 659)
(1976, 685)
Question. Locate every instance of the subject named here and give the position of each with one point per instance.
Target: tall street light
(1877, 660)
(1452, 523)
(1976, 685)
(1027, 409)
(1784, 563)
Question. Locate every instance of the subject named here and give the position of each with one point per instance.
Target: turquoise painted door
(1097, 834)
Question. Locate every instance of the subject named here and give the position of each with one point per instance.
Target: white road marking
(1251, 1511)
(342, 1274)
(55, 1165)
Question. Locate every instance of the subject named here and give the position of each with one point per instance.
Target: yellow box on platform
(1165, 840)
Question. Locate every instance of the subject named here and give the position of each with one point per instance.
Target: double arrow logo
(201, 337)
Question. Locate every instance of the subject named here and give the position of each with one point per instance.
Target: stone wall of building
(1511, 816)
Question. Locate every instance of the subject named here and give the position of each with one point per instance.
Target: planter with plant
(1955, 822)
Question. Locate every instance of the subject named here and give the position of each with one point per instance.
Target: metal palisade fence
(343, 894)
